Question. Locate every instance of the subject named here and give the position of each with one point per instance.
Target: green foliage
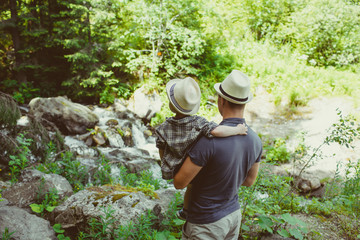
(103, 228)
(73, 171)
(264, 17)
(20, 161)
(57, 229)
(352, 178)
(172, 223)
(325, 31)
(25, 92)
(48, 202)
(6, 235)
(285, 225)
(144, 227)
(144, 179)
(103, 174)
(345, 131)
(68, 167)
(277, 153)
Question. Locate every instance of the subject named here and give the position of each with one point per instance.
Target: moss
(134, 204)
(116, 197)
(108, 190)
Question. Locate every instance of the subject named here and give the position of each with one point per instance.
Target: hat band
(172, 97)
(234, 98)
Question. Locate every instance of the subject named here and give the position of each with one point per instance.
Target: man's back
(225, 162)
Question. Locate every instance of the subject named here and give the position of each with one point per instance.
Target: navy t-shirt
(225, 163)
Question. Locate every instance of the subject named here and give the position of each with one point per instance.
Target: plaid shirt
(176, 136)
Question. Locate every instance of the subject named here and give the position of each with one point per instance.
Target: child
(177, 134)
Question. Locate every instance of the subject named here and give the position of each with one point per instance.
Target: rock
(121, 111)
(145, 105)
(114, 138)
(127, 205)
(135, 160)
(98, 135)
(25, 192)
(81, 148)
(69, 117)
(24, 225)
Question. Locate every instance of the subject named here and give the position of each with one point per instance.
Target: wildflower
(159, 53)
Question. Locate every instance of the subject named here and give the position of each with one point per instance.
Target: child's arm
(226, 131)
(161, 153)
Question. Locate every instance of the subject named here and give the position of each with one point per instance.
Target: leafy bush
(285, 225)
(142, 179)
(264, 17)
(45, 202)
(325, 31)
(278, 153)
(21, 160)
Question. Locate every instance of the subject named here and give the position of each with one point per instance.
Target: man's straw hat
(235, 88)
(184, 95)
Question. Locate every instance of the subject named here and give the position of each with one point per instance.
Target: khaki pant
(226, 228)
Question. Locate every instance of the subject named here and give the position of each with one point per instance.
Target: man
(217, 167)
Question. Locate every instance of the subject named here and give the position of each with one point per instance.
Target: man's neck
(232, 114)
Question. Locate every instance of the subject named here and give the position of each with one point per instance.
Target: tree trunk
(15, 34)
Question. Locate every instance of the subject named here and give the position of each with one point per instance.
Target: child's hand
(242, 128)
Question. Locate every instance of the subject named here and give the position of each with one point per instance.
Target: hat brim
(217, 89)
(168, 87)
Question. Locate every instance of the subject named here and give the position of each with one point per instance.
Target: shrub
(264, 17)
(278, 152)
(326, 32)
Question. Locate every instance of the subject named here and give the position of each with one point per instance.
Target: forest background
(95, 51)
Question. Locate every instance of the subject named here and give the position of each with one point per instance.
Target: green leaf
(284, 233)
(57, 228)
(36, 208)
(296, 233)
(245, 227)
(265, 223)
(50, 208)
(292, 220)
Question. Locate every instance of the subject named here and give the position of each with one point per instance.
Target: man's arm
(252, 174)
(186, 173)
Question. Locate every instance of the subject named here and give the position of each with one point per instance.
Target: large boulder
(23, 225)
(70, 118)
(126, 203)
(31, 183)
(144, 104)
